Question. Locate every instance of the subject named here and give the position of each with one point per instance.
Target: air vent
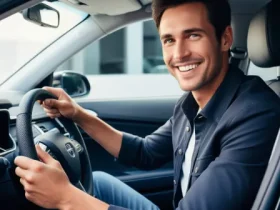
(43, 128)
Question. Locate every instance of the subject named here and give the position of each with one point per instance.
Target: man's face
(190, 47)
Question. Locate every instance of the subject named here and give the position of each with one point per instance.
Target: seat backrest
(274, 85)
(264, 51)
(264, 40)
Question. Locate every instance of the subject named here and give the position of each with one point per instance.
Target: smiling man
(220, 136)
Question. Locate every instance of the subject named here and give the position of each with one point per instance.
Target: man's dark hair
(219, 12)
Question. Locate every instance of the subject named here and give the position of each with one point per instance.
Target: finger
(26, 185)
(29, 196)
(21, 172)
(53, 103)
(51, 111)
(22, 181)
(55, 91)
(28, 176)
(44, 156)
(45, 106)
(24, 162)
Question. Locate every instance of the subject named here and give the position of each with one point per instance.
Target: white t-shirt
(186, 167)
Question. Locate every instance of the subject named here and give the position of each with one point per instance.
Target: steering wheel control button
(78, 146)
(47, 150)
(70, 149)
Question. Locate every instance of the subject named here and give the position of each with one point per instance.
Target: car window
(265, 73)
(22, 40)
(135, 49)
(128, 63)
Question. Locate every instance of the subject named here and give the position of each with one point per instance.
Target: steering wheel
(72, 154)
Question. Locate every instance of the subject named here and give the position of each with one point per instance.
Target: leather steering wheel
(71, 153)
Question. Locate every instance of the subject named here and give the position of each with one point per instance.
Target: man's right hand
(108, 137)
(63, 106)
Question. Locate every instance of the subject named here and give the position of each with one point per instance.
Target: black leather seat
(264, 51)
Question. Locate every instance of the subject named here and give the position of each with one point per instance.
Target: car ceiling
(116, 7)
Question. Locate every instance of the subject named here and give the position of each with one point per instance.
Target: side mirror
(73, 83)
(42, 15)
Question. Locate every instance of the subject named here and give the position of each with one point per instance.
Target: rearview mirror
(74, 84)
(42, 15)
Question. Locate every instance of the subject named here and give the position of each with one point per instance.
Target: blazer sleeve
(150, 152)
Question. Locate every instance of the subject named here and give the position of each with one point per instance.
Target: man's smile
(187, 68)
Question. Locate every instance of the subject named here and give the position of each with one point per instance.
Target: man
(220, 135)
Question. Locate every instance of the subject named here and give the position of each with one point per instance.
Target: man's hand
(45, 183)
(64, 106)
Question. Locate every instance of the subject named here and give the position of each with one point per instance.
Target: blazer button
(188, 129)
(180, 152)
(196, 170)
(174, 181)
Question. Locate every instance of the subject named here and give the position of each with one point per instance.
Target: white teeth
(187, 68)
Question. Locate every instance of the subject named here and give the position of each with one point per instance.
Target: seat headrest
(264, 36)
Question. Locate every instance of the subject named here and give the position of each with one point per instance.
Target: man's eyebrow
(187, 31)
(192, 30)
(165, 36)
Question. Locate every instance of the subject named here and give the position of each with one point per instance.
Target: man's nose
(181, 51)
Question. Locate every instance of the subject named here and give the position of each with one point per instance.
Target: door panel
(146, 110)
(139, 117)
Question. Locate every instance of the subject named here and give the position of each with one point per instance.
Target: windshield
(21, 40)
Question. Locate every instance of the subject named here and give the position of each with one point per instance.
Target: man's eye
(168, 41)
(194, 36)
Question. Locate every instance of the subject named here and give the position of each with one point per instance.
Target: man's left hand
(45, 183)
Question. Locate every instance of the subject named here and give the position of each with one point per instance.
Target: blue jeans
(114, 192)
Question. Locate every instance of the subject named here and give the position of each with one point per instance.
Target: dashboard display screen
(5, 141)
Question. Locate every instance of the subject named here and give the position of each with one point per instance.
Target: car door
(129, 116)
(132, 91)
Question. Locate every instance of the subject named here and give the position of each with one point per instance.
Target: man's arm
(146, 153)
(232, 180)
(108, 137)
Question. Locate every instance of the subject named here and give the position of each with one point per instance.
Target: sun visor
(108, 7)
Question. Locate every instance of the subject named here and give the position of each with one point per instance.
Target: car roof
(116, 7)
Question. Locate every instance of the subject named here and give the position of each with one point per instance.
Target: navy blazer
(235, 134)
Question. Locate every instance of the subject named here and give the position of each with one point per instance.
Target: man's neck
(204, 94)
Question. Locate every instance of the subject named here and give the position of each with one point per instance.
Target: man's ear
(227, 39)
